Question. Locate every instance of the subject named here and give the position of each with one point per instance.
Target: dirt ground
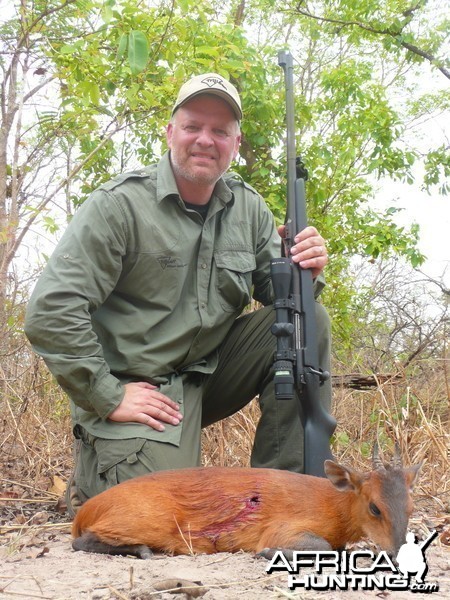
(37, 561)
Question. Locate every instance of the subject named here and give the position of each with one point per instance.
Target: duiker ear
(343, 478)
(411, 474)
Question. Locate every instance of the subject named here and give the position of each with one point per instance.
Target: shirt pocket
(154, 280)
(234, 278)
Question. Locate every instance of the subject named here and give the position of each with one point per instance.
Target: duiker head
(382, 504)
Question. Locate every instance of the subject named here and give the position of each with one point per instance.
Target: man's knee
(323, 321)
(323, 336)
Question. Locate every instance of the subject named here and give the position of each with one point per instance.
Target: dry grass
(416, 417)
(415, 413)
(35, 428)
(36, 439)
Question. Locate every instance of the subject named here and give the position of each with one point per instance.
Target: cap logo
(212, 81)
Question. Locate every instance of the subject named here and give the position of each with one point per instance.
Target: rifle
(296, 357)
(424, 545)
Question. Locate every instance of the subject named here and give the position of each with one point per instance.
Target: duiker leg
(305, 541)
(89, 542)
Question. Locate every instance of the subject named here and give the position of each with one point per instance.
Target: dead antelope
(219, 509)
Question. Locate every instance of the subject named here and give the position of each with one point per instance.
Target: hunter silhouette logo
(411, 557)
(212, 81)
(359, 569)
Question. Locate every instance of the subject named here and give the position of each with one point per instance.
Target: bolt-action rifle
(296, 362)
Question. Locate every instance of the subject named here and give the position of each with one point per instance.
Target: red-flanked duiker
(220, 509)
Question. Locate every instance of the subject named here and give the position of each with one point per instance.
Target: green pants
(244, 371)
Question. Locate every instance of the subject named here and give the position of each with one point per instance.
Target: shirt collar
(165, 182)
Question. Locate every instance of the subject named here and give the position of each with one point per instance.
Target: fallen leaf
(445, 537)
(59, 486)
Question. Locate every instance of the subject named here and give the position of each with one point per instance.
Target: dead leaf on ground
(445, 537)
(59, 486)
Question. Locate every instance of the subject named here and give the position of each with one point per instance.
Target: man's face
(204, 138)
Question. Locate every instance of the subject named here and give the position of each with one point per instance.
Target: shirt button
(204, 265)
(202, 305)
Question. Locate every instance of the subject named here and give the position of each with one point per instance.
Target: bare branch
(396, 34)
(17, 242)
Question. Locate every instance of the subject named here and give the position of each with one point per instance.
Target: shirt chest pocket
(234, 278)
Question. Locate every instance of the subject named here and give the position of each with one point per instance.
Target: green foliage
(437, 169)
(116, 67)
(50, 225)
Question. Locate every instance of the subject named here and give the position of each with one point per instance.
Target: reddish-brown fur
(206, 510)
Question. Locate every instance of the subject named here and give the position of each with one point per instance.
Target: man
(137, 313)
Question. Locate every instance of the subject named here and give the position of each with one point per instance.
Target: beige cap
(210, 83)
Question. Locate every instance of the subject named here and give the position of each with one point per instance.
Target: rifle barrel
(297, 359)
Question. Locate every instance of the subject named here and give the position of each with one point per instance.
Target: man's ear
(169, 131)
(237, 145)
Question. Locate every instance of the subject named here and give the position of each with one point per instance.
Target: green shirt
(142, 289)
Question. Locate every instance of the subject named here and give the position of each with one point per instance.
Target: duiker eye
(374, 509)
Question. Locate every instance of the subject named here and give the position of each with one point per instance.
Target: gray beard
(193, 178)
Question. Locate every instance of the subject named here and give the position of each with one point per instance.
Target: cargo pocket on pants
(112, 453)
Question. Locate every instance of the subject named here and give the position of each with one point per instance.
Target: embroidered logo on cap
(212, 81)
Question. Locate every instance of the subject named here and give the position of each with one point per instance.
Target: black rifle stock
(296, 359)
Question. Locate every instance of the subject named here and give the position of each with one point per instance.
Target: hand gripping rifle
(296, 358)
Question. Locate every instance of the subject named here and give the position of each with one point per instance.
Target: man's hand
(309, 250)
(143, 403)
